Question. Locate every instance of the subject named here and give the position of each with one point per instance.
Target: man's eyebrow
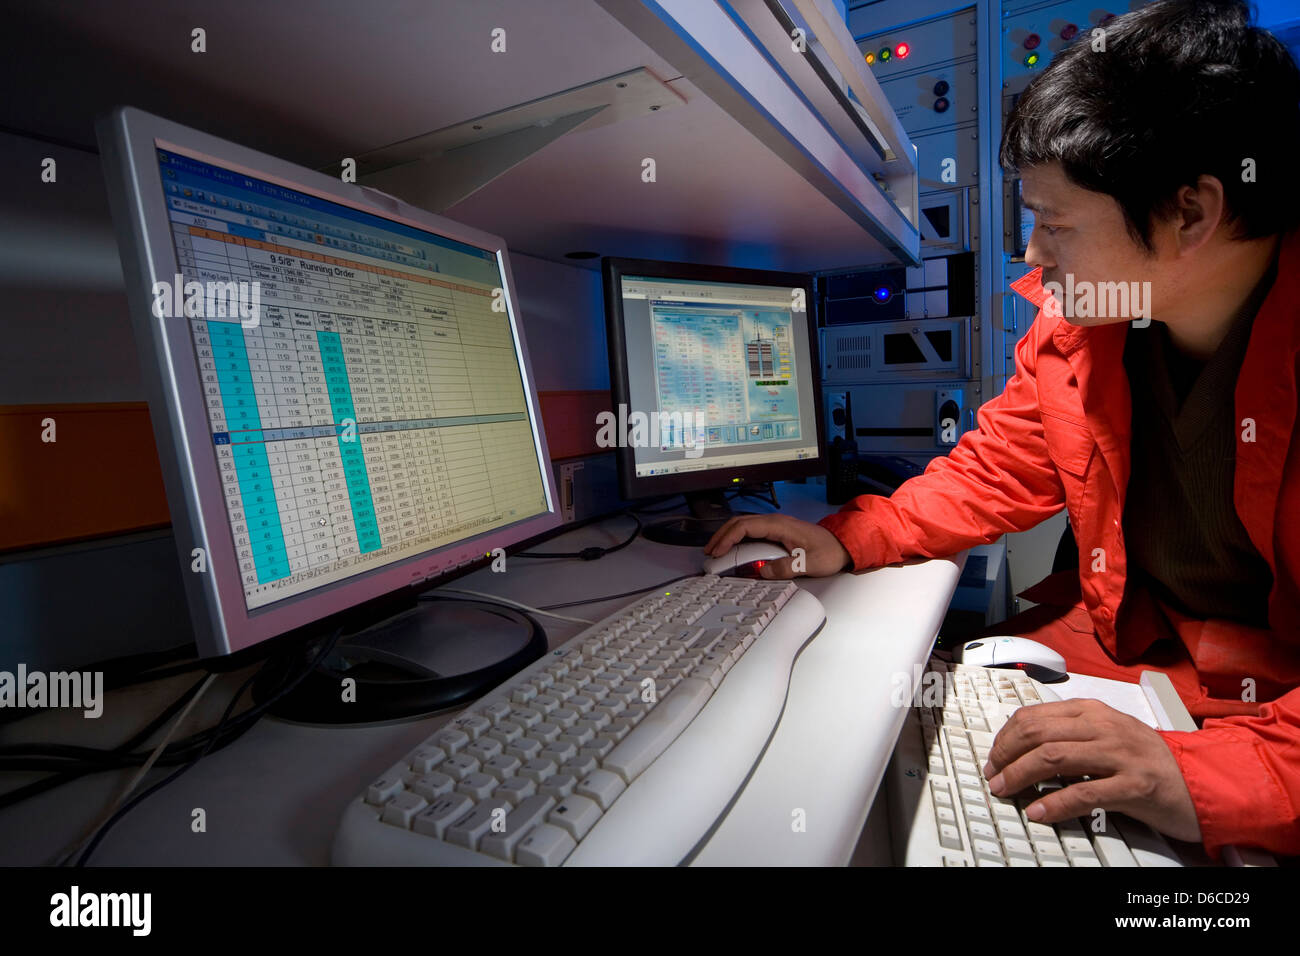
(1038, 208)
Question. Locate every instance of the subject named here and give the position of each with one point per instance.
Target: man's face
(1081, 234)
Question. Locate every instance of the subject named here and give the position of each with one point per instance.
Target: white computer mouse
(1015, 653)
(745, 559)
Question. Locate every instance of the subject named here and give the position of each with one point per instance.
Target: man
(1161, 156)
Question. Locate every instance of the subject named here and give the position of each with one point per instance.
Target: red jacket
(1058, 435)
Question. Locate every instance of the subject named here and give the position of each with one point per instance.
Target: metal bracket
(436, 170)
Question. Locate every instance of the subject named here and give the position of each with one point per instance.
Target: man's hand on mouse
(1132, 769)
(823, 552)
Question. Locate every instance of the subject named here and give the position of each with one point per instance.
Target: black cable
(68, 772)
(587, 554)
(611, 597)
(126, 671)
(253, 712)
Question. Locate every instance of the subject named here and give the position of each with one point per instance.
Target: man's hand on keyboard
(823, 553)
(1131, 768)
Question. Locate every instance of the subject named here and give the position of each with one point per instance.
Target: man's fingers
(740, 528)
(719, 536)
(1035, 724)
(778, 570)
(1056, 758)
(1080, 799)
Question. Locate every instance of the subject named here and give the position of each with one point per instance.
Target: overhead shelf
(790, 73)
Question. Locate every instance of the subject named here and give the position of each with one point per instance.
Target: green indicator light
(1031, 59)
(884, 54)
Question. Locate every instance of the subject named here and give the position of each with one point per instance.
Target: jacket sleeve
(999, 478)
(1244, 777)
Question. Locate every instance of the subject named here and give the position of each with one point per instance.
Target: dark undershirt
(1183, 537)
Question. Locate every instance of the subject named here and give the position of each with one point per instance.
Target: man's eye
(1050, 230)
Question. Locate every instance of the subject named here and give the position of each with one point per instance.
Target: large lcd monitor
(339, 385)
(718, 368)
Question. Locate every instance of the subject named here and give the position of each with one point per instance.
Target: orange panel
(101, 476)
(570, 421)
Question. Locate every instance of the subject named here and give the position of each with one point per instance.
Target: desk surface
(274, 796)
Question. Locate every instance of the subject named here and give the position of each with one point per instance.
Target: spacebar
(658, 729)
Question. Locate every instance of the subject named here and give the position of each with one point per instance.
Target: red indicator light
(1032, 41)
(1069, 32)
(902, 50)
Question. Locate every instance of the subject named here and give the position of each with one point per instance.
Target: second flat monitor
(713, 373)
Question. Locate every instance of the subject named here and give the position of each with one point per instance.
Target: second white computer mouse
(1015, 653)
(745, 559)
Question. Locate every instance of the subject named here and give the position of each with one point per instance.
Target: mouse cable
(588, 554)
(498, 599)
(250, 715)
(611, 597)
(139, 774)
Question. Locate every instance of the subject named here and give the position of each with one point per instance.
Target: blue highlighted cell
(354, 459)
(252, 468)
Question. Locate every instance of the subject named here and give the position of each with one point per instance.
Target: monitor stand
(434, 655)
(710, 510)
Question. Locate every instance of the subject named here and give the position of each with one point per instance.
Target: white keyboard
(941, 811)
(625, 746)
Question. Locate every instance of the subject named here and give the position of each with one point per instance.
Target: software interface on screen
(375, 408)
(725, 369)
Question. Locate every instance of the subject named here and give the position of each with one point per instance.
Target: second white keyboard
(625, 746)
(941, 810)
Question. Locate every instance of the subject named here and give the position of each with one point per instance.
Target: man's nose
(1036, 253)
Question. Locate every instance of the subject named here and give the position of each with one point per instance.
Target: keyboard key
(507, 732)
(471, 828)
(452, 741)
(384, 789)
(479, 785)
(603, 786)
(474, 725)
(525, 748)
(400, 810)
(559, 785)
(426, 758)
(538, 770)
(484, 749)
(579, 766)
(546, 731)
(526, 716)
(433, 785)
(575, 814)
(502, 766)
(528, 814)
(459, 767)
(434, 819)
(559, 751)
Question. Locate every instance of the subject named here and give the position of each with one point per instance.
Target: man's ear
(1199, 212)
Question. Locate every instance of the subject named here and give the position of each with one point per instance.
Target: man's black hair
(1183, 88)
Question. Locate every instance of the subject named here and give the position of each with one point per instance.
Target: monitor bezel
(613, 269)
(223, 624)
